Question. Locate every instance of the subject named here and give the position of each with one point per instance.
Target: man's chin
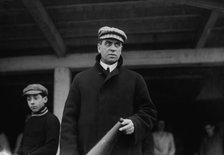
(112, 60)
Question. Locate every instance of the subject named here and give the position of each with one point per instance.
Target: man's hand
(127, 126)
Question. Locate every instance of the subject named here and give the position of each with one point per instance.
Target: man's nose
(113, 47)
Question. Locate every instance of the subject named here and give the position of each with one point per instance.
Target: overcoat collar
(101, 69)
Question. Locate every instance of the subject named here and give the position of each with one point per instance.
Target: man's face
(161, 125)
(209, 129)
(110, 50)
(36, 102)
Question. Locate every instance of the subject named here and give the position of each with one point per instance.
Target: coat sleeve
(148, 144)
(69, 140)
(52, 128)
(145, 111)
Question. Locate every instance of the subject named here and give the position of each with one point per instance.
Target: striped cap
(107, 32)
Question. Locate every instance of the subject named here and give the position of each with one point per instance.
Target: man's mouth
(112, 55)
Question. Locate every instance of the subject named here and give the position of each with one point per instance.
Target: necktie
(108, 70)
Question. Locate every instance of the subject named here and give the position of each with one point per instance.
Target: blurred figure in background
(211, 143)
(163, 141)
(4, 144)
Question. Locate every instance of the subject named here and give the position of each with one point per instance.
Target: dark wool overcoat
(95, 103)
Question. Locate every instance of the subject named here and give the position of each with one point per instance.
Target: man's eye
(118, 44)
(107, 43)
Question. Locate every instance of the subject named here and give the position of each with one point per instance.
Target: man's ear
(98, 47)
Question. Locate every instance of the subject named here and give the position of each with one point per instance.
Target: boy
(41, 133)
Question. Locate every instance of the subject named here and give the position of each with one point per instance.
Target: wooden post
(62, 81)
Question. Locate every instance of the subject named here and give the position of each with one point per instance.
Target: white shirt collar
(105, 66)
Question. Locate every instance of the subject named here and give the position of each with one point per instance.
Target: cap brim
(32, 92)
(112, 36)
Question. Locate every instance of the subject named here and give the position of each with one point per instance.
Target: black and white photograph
(112, 77)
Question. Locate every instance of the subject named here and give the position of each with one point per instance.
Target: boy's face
(36, 102)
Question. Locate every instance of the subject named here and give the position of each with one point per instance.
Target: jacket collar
(41, 112)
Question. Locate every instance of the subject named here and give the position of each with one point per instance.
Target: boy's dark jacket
(95, 103)
(41, 135)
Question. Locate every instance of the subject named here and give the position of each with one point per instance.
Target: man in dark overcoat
(103, 95)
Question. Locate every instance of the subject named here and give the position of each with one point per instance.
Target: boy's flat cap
(35, 89)
(107, 32)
